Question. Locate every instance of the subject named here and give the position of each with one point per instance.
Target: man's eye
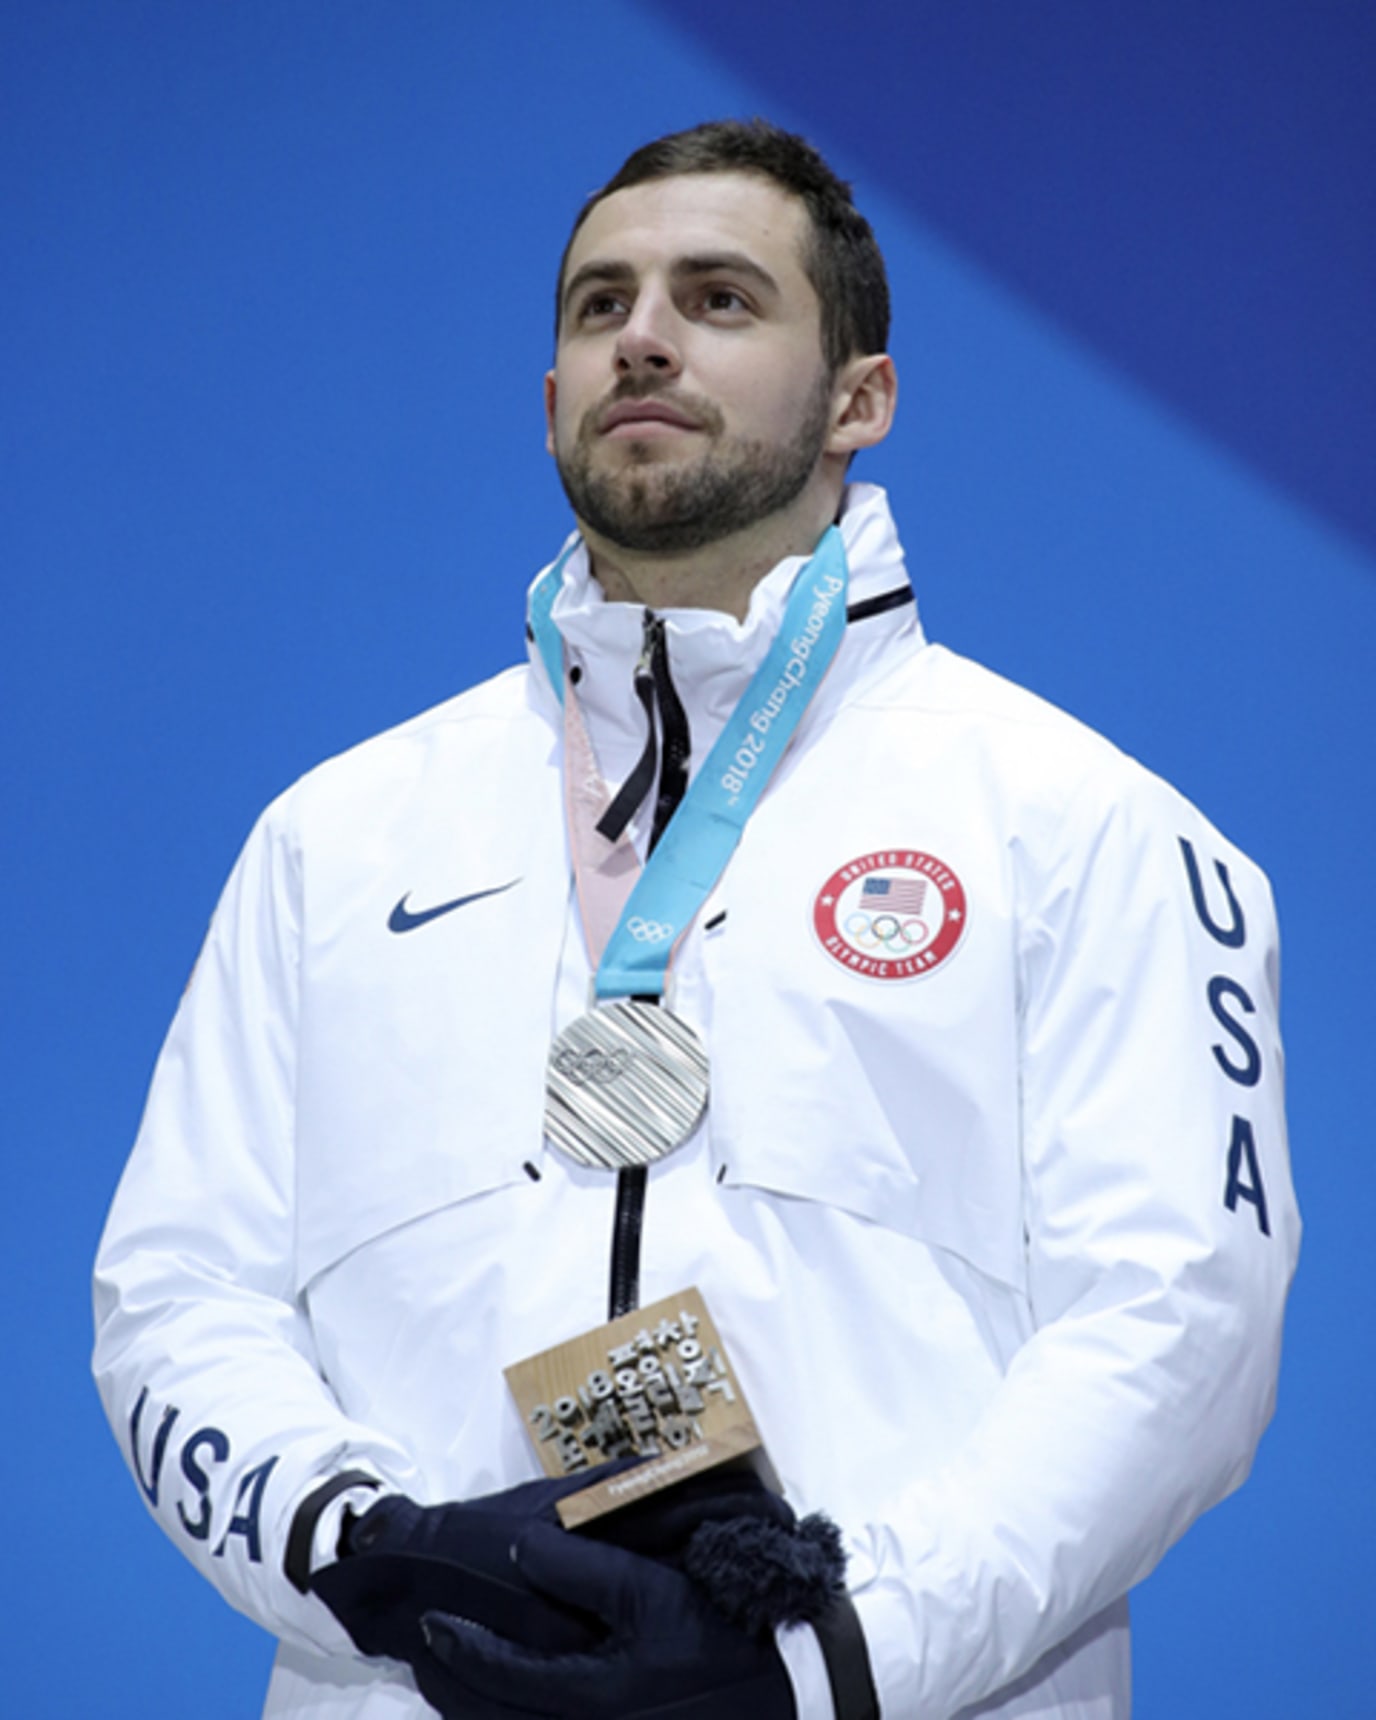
(723, 299)
(600, 305)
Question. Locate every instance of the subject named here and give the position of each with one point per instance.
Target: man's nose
(647, 344)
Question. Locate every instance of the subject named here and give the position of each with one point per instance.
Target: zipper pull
(652, 641)
(639, 783)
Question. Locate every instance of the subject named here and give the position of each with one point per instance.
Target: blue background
(275, 301)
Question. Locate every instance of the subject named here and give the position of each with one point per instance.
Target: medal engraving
(626, 1084)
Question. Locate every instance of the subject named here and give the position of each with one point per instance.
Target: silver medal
(626, 1084)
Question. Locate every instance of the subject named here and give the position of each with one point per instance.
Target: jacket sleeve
(1161, 1235)
(204, 1358)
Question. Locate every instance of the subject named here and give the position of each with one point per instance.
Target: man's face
(689, 398)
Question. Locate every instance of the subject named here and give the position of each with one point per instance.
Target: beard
(663, 509)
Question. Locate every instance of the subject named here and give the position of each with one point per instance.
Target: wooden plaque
(655, 1383)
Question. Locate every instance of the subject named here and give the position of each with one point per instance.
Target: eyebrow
(614, 272)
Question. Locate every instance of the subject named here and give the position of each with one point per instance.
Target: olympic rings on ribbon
(649, 931)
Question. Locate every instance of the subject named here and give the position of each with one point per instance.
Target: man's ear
(549, 411)
(865, 398)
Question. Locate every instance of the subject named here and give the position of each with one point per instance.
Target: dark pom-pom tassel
(761, 1575)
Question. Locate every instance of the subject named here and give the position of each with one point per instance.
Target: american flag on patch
(897, 895)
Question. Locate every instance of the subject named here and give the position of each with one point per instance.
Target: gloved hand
(666, 1652)
(741, 1544)
(662, 1524)
(399, 1560)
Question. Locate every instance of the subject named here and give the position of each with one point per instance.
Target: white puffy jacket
(991, 1204)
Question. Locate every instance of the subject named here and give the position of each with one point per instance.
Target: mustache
(703, 413)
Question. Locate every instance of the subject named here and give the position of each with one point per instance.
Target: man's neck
(721, 575)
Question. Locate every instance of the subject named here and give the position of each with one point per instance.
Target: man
(989, 1199)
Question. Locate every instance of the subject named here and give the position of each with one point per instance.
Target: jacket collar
(712, 655)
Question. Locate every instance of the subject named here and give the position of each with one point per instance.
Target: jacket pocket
(899, 1143)
(422, 1069)
(894, 1100)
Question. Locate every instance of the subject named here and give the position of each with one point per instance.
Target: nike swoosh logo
(403, 920)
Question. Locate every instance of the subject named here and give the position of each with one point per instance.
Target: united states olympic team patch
(894, 914)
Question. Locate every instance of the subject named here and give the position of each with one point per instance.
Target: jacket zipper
(632, 1183)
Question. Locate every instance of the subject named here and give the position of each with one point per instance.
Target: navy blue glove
(667, 1651)
(401, 1559)
(663, 1524)
(741, 1544)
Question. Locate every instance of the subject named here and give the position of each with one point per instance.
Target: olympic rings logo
(886, 931)
(649, 931)
(593, 1067)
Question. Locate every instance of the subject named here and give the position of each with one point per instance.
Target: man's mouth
(637, 417)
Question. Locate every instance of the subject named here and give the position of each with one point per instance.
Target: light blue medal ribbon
(627, 1082)
(702, 834)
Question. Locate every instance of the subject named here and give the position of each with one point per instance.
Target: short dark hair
(841, 258)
